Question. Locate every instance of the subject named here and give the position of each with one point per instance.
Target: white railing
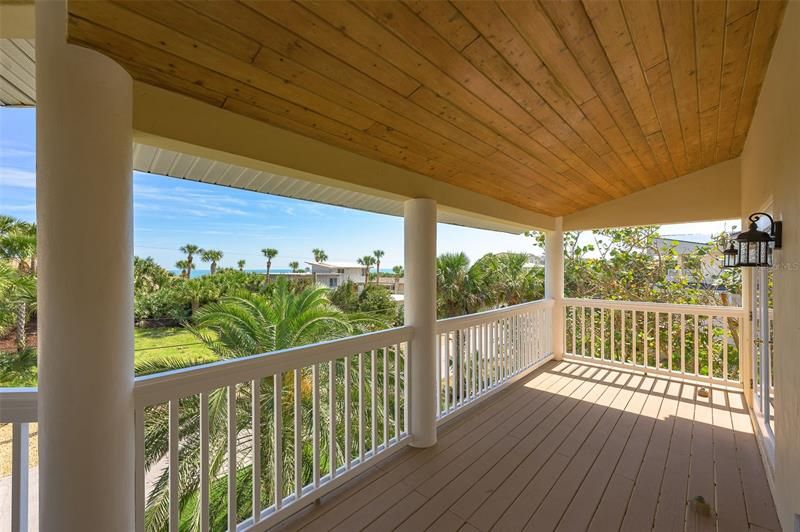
(479, 353)
(697, 342)
(18, 407)
(336, 406)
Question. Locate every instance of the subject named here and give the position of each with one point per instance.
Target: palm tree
(235, 327)
(368, 261)
(240, 263)
(213, 256)
(190, 250)
(378, 253)
(398, 274)
(184, 266)
(195, 291)
(509, 278)
(18, 246)
(269, 253)
(295, 266)
(18, 299)
(319, 255)
(461, 289)
(8, 223)
(148, 276)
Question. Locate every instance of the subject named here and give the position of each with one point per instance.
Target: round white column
(84, 205)
(420, 313)
(554, 283)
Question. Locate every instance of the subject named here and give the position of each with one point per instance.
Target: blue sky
(169, 213)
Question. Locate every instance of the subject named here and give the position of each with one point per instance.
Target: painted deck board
(570, 447)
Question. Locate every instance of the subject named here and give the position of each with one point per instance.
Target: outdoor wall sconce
(754, 246)
(730, 257)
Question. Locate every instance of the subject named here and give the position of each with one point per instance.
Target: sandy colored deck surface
(571, 447)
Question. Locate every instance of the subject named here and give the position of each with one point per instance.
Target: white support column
(554, 283)
(420, 313)
(746, 335)
(84, 205)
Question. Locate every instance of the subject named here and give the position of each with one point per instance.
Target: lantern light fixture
(754, 245)
(730, 257)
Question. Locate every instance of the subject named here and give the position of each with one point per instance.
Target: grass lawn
(171, 342)
(150, 344)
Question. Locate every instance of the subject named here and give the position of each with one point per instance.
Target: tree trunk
(195, 305)
(269, 267)
(378, 273)
(21, 336)
(213, 268)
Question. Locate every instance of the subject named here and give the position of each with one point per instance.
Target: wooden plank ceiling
(549, 105)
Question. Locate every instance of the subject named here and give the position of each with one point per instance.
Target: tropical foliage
(238, 326)
(378, 254)
(17, 277)
(269, 254)
(368, 261)
(212, 256)
(639, 264)
(493, 281)
(373, 300)
(188, 264)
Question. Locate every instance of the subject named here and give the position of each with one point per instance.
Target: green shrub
(159, 305)
(377, 302)
(345, 296)
(18, 369)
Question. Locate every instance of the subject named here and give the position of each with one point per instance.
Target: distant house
(685, 246)
(333, 274)
(397, 286)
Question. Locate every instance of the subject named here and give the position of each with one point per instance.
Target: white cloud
(179, 200)
(9, 152)
(25, 207)
(15, 177)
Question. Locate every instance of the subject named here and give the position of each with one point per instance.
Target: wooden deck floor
(572, 447)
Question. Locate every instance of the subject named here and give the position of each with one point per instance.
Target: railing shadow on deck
(570, 456)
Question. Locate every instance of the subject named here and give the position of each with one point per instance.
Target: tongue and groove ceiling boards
(548, 105)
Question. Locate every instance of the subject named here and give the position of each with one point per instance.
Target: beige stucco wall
(709, 194)
(771, 173)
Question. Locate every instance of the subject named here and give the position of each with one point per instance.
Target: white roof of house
(343, 265)
(701, 239)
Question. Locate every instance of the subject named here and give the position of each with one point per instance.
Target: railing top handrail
(675, 308)
(18, 405)
(161, 387)
(459, 322)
